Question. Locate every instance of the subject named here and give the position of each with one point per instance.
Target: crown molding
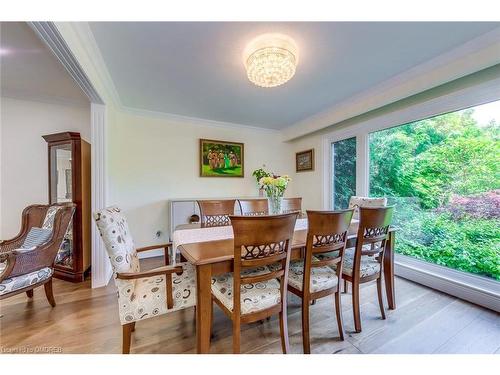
(50, 35)
(82, 41)
(475, 55)
(179, 119)
(48, 99)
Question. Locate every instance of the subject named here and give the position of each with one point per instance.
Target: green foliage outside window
(443, 175)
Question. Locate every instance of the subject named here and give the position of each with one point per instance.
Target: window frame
(457, 283)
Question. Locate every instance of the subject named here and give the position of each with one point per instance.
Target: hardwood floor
(86, 321)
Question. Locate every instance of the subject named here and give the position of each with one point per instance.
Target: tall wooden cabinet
(69, 181)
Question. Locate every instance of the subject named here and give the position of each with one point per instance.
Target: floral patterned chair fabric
(322, 278)
(144, 297)
(254, 296)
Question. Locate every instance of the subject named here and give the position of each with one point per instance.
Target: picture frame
(304, 161)
(222, 158)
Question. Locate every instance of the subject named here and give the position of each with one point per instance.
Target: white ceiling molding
(475, 55)
(51, 36)
(82, 39)
(178, 119)
(87, 41)
(24, 95)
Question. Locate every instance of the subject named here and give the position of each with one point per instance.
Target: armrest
(154, 247)
(166, 270)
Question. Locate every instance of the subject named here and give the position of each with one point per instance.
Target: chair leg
(127, 333)
(211, 317)
(380, 298)
(29, 293)
(305, 327)
(345, 286)
(355, 307)
(236, 335)
(338, 311)
(285, 344)
(49, 293)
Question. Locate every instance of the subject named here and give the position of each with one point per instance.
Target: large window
(443, 175)
(344, 172)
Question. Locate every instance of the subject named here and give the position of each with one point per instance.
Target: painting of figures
(221, 159)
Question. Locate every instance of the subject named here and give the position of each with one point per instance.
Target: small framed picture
(221, 158)
(304, 161)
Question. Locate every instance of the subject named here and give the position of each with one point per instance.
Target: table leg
(203, 307)
(389, 270)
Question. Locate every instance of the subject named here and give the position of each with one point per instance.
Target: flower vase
(275, 204)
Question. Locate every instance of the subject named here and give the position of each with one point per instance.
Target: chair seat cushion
(148, 296)
(322, 278)
(254, 297)
(369, 265)
(12, 284)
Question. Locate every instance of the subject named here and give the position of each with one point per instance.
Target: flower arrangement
(275, 187)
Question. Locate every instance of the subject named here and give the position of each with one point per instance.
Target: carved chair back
(215, 213)
(291, 205)
(261, 241)
(254, 207)
(327, 233)
(373, 233)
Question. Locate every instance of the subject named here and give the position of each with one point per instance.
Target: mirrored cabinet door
(69, 181)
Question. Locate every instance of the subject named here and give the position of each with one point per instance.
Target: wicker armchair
(22, 270)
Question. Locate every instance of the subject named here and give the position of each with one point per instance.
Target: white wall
(23, 152)
(152, 159)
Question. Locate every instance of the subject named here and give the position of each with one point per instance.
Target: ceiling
(195, 69)
(28, 69)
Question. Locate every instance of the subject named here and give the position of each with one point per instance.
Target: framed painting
(221, 158)
(304, 161)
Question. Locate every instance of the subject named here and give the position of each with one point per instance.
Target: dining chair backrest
(327, 233)
(356, 202)
(254, 207)
(291, 205)
(260, 241)
(373, 232)
(117, 239)
(215, 213)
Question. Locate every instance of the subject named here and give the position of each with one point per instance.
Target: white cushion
(254, 297)
(356, 202)
(12, 284)
(321, 277)
(369, 265)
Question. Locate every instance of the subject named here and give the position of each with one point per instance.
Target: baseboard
(476, 289)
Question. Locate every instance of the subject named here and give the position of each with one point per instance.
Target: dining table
(211, 251)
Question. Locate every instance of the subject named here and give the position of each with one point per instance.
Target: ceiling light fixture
(271, 59)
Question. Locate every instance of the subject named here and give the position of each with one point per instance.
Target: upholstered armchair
(26, 261)
(142, 294)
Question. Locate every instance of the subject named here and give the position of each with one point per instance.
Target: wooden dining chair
(215, 213)
(364, 263)
(254, 292)
(312, 278)
(291, 205)
(254, 207)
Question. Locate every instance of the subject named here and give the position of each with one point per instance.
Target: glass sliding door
(343, 172)
(443, 175)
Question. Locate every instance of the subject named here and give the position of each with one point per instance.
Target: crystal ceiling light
(271, 59)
